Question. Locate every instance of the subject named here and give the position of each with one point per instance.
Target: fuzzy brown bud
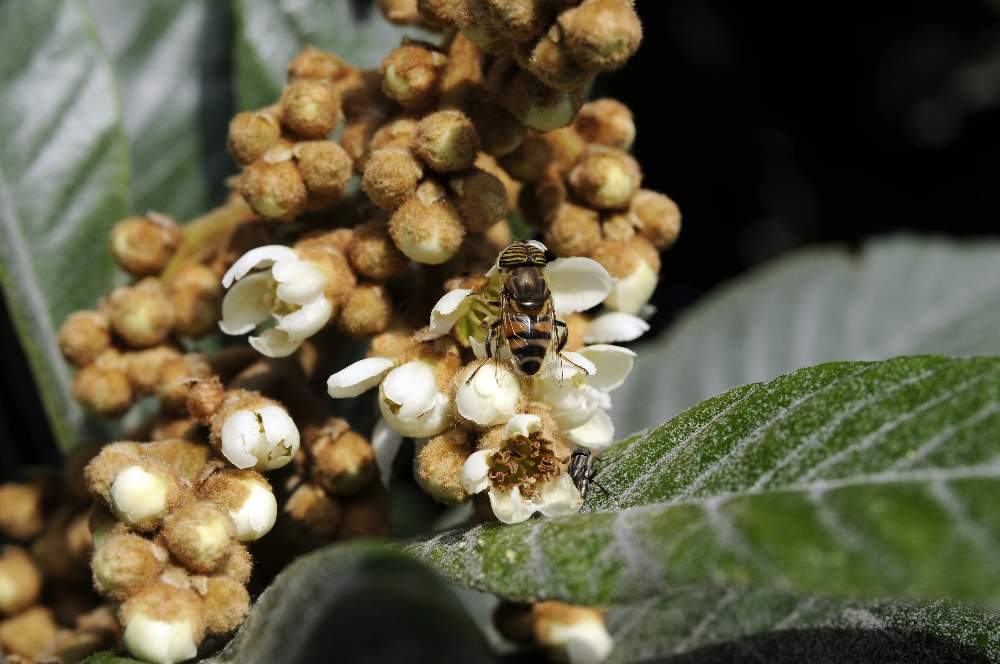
(548, 59)
(343, 463)
(606, 122)
(534, 103)
(160, 608)
(251, 134)
(531, 160)
(316, 512)
(199, 535)
(373, 254)
(480, 198)
(573, 231)
(391, 176)
(368, 311)
(141, 315)
(427, 228)
(143, 367)
(123, 563)
(313, 63)
(401, 12)
(83, 336)
(205, 398)
(143, 245)
(196, 296)
(325, 168)
(274, 190)
(605, 178)
(246, 497)
(176, 378)
(239, 564)
(105, 392)
(20, 580)
(601, 34)
(310, 108)
(447, 141)
(657, 217)
(474, 20)
(437, 467)
(499, 131)
(22, 516)
(30, 635)
(520, 20)
(439, 13)
(410, 75)
(226, 603)
(187, 458)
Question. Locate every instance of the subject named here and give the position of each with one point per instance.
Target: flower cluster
(445, 141)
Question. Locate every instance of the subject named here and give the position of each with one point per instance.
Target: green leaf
(898, 296)
(171, 60)
(759, 624)
(356, 603)
(875, 479)
(271, 32)
(64, 178)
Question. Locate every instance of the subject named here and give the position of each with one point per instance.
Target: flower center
(525, 463)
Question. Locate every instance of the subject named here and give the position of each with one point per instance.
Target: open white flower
(631, 292)
(490, 397)
(284, 288)
(577, 393)
(264, 438)
(522, 478)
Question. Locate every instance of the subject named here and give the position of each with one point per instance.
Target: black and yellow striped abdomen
(528, 334)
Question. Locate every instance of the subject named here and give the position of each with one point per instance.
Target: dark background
(772, 125)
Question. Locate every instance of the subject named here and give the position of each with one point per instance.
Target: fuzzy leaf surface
(852, 478)
(64, 181)
(896, 296)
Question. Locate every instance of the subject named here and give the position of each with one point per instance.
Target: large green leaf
(356, 603)
(765, 625)
(271, 32)
(172, 63)
(873, 479)
(64, 178)
(897, 296)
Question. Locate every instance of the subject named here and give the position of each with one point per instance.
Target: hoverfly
(527, 325)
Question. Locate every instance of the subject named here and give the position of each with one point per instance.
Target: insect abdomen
(529, 338)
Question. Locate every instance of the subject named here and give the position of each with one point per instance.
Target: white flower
(285, 288)
(585, 641)
(161, 641)
(358, 377)
(632, 292)
(448, 310)
(614, 326)
(386, 442)
(264, 438)
(255, 517)
(555, 496)
(490, 397)
(138, 495)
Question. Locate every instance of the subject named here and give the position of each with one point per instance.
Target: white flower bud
(264, 438)
(139, 495)
(490, 397)
(256, 516)
(411, 402)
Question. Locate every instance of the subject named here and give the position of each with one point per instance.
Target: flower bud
(324, 251)
(196, 297)
(252, 431)
(274, 190)
(29, 635)
(447, 141)
(474, 20)
(391, 176)
(400, 12)
(163, 624)
(143, 367)
(531, 160)
(489, 164)
(398, 133)
(479, 197)
(605, 178)
(251, 134)
(103, 392)
(165, 427)
(573, 231)
(410, 75)
(123, 563)
(343, 465)
(141, 314)
(83, 336)
(606, 122)
(246, 497)
(521, 20)
(573, 633)
(550, 62)
(367, 312)
(325, 168)
(312, 63)
(100, 472)
(567, 148)
(226, 602)
(177, 377)
(390, 344)
(239, 564)
(315, 511)
(63, 549)
(205, 398)
(499, 131)
(427, 227)
(142, 493)
(601, 34)
(143, 245)
(357, 135)
(462, 80)
(187, 458)
(532, 102)
(488, 396)
(618, 227)
(373, 254)
(310, 108)
(23, 513)
(439, 13)
(199, 535)
(437, 467)
(20, 580)
(657, 217)
(635, 266)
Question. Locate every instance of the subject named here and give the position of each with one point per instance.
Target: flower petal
(264, 256)
(307, 320)
(613, 365)
(475, 472)
(631, 293)
(510, 506)
(385, 444)
(432, 422)
(274, 343)
(247, 304)
(579, 362)
(412, 387)
(577, 284)
(299, 281)
(281, 435)
(490, 398)
(239, 435)
(559, 497)
(523, 425)
(359, 377)
(614, 326)
(584, 642)
(447, 311)
(596, 434)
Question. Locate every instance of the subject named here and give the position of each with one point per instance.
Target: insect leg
(561, 343)
(490, 355)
